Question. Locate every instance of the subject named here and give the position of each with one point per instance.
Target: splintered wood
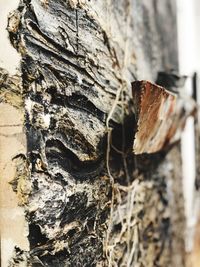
(160, 115)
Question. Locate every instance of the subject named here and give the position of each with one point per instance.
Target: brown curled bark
(160, 115)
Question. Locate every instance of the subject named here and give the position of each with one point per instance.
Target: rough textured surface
(92, 202)
(160, 115)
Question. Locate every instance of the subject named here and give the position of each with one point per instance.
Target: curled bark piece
(160, 115)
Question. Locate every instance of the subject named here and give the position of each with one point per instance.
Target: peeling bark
(161, 116)
(92, 201)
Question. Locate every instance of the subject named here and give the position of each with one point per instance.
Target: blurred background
(188, 22)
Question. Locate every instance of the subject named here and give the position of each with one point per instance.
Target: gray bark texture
(90, 200)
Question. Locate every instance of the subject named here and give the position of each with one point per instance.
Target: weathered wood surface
(161, 116)
(93, 202)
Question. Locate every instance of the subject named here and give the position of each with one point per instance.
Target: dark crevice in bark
(77, 101)
(57, 154)
(36, 237)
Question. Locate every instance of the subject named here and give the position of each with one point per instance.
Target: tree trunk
(89, 200)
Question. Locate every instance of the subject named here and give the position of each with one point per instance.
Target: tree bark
(93, 202)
